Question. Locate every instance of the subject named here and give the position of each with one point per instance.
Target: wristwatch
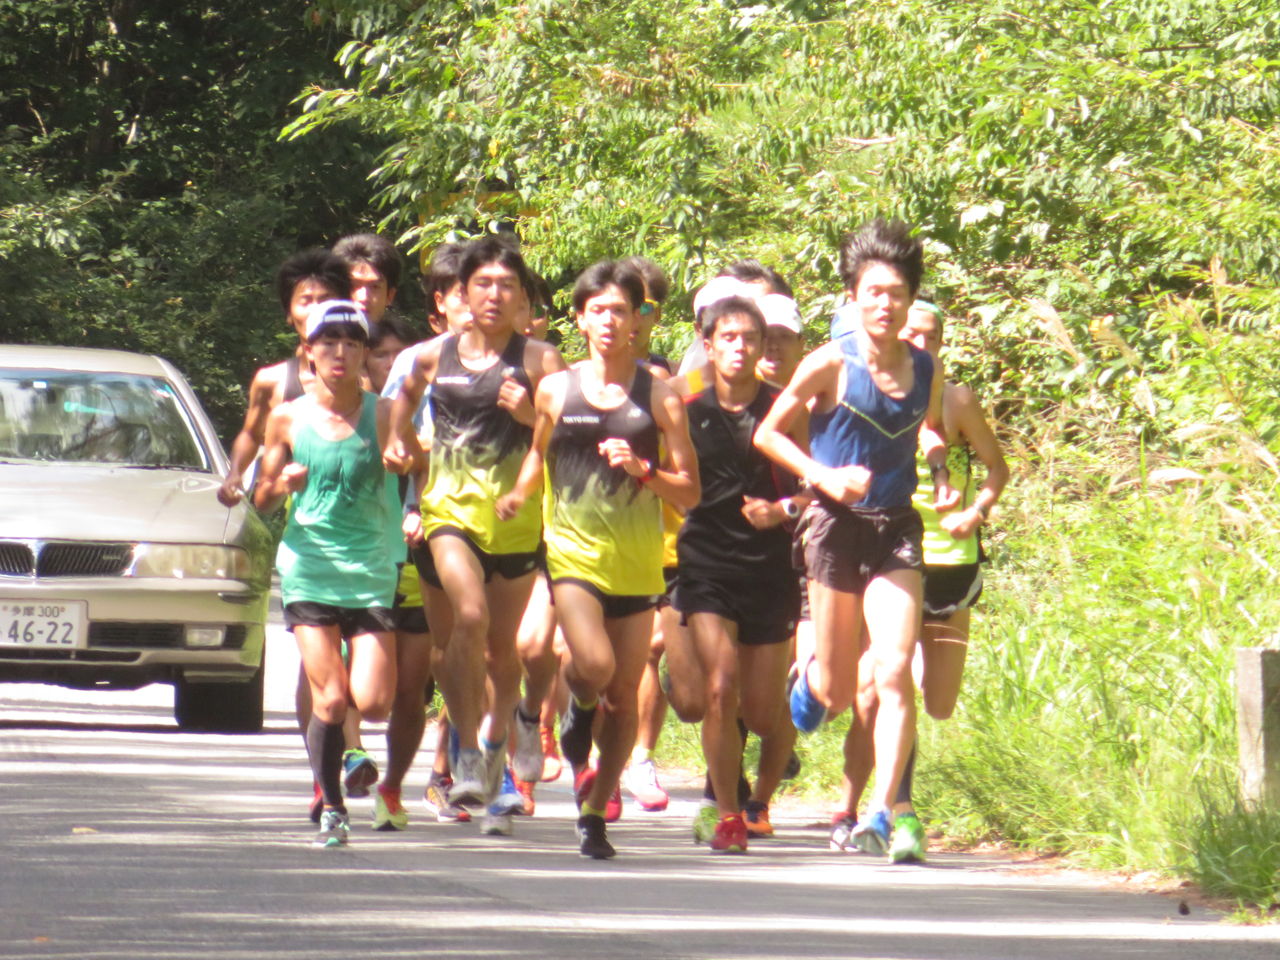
(790, 508)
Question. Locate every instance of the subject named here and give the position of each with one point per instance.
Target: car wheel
(219, 707)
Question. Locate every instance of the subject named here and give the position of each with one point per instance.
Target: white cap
(335, 311)
(721, 288)
(781, 311)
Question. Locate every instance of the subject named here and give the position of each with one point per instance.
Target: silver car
(118, 565)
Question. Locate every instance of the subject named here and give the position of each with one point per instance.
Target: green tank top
(334, 549)
(940, 548)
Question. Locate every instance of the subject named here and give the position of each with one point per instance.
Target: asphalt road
(122, 838)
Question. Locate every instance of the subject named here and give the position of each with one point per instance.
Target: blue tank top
(871, 429)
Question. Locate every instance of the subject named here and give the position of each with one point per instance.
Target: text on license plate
(37, 623)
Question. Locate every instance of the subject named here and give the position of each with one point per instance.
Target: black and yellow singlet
(477, 451)
(603, 525)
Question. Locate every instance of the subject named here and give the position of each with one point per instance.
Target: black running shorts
(845, 549)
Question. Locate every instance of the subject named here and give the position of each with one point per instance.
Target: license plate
(39, 624)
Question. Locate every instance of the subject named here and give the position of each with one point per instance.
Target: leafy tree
(145, 199)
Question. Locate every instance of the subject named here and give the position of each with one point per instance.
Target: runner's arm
(969, 419)
(677, 480)
(280, 475)
(402, 453)
(933, 444)
(817, 377)
(247, 442)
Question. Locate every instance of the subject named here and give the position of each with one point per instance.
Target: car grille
(20, 558)
(84, 559)
(15, 559)
(110, 634)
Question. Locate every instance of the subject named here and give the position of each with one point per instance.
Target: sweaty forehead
(881, 276)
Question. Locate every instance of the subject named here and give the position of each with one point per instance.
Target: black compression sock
(904, 785)
(324, 744)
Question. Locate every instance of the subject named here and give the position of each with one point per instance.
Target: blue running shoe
(806, 713)
(509, 800)
(871, 835)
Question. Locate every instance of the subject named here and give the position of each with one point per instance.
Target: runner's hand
(294, 476)
(762, 514)
(231, 492)
(508, 505)
(845, 485)
(514, 398)
(619, 454)
(411, 527)
(961, 524)
(945, 497)
(397, 459)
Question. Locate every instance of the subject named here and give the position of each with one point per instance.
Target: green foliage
(144, 198)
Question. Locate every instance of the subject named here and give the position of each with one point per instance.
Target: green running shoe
(705, 822)
(908, 843)
(334, 829)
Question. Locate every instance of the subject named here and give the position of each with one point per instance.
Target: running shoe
(842, 825)
(730, 835)
(436, 798)
(388, 812)
(592, 841)
(551, 765)
(705, 821)
(468, 779)
(526, 790)
(508, 799)
(359, 772)
(756, 816)
(496, 822)
(334, 829)
(642, 781)
(582, 785)
(526, 761)
(872, 834)
(575, 733)
(806, 713)
(907, 845)
(317, 804)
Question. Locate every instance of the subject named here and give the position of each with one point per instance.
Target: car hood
(74, 501)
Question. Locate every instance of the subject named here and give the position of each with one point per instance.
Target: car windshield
(82, 417)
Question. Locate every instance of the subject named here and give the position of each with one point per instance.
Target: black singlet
(716, 539)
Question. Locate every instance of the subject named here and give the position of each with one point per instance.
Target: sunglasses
(648, 307)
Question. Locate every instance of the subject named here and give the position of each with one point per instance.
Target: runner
(479, 572)
(303, 280)
(872, 394)
(740, 613)
(952, 584)
(598, 430)
(374, 266)
(336, 576)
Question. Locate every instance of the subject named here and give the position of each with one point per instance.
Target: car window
(82, 417)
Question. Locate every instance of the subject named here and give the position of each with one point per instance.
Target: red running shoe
(731, 835)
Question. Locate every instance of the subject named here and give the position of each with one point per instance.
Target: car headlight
(191, 561)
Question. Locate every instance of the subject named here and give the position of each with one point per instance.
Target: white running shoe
(468, 788)
(526, 762)
(642, 781)
(334, 829)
